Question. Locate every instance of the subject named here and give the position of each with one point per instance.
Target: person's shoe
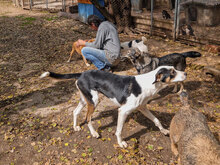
(107, 69)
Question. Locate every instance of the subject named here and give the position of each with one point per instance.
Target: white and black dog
(127, 92)
(139, 44)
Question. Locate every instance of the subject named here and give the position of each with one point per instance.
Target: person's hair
(95, 20)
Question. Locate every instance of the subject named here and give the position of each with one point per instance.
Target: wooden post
(178, 19)
(46, 4)
(22, 4)
(175, 20)
(31, 3)
(152, 6)
(64, 5)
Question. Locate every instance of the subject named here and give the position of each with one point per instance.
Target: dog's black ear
(158, 77)
(162, 75)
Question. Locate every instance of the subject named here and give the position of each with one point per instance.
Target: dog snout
(185, 74)
(131, 52)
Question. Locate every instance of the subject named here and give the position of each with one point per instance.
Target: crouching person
(104, 52)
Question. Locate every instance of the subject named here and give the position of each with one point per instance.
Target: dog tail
(61, 76)
(191, 54)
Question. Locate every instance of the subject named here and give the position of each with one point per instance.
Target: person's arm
(99, 40)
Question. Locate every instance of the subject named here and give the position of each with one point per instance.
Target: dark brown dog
(191, 138)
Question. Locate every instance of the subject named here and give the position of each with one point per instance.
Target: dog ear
(141, 43)
(143, 38)
(158, 77)
(163, 75)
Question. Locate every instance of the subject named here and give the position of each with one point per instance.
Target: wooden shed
(203, 12)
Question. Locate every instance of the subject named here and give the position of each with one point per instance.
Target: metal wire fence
(199, 20)
(195, 20)
(192, 21)
(45, 4)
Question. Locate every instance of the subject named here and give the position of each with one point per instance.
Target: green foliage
(27, 20)
(50, 18)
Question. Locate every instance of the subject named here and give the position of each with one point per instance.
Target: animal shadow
(164, 118)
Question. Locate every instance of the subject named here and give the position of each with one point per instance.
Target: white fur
(141, 46)
(45, 74)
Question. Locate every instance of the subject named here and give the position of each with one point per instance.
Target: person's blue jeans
(96, 56)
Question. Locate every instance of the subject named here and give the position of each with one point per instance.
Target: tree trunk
(122, 11)
(102, 10)
(119, 12)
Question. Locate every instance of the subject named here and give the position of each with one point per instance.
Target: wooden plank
(156, 31)
(156, 23)
(203, 41)
(84, 1)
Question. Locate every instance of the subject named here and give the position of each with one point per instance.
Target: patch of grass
(29, 19)
(4, 16)
(20, 16)
(50, 18)
(26, 23)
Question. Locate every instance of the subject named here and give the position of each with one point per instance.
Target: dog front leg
(150, 116)
(85, 60)
(181, 88)
(175, 87)
(122, 115)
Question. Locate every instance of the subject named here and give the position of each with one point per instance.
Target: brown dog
(191, 138)
(78, 50)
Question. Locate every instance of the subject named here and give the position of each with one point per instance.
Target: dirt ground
(36, 114)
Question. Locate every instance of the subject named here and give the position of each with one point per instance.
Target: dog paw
(77, 128)
(87, 64)
(174, 90)
(95, 134)
(179, 92)
(123, 144)
(165, 131)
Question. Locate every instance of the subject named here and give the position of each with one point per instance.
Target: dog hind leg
(91, 109)
(76, 112)
(150, 116)
(71, 53)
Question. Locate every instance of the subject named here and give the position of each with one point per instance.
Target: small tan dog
(78, 50)
(191, 138)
